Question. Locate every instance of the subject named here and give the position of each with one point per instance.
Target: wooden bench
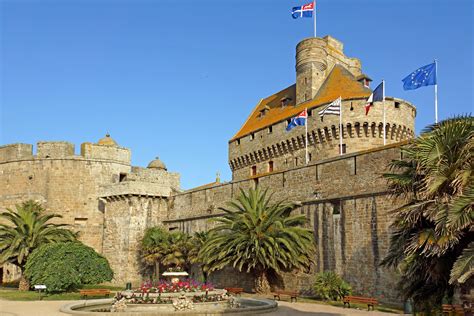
(370, 301)
(449, 309)
(234, 290)
(94, 292)
(291, 294)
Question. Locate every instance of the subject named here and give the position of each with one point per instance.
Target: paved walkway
(51, 308)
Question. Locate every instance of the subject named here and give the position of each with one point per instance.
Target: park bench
(234, 290)
(370, 301)
(449, 310)
(291, 294)
(94, 292)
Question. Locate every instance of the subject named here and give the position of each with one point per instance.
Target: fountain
(173, 297)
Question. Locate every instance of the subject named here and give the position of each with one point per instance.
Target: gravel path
(51, 308)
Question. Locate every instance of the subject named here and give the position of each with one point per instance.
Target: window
(296, 161)
(270, 129)
(306, 97)
(305, 80)
(343, 148)
(252, 136)
(309, 157)
(80, 221)
(122, 177)
(397, 105)
(270, 166)
(310, 113)
(336, 207)
(253, 171)
(238, 141)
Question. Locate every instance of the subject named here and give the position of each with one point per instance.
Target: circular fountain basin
(248, 306)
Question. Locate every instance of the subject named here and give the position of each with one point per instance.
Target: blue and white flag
(423, 76)
(305, 11)
(299, 120)
(377, 95)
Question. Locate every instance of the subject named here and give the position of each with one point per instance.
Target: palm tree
(176, 254)
(28, 228)
(197, 242)
(433, 229)
(256, 235)
(154, 244)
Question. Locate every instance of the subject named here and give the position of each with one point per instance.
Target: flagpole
(384, 122)
(340, 126)
(314, 18)
(436, 91)
(306, 135)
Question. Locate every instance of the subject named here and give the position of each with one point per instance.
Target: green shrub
(66, 266)
(330, 286)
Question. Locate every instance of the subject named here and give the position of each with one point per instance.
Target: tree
(197, 242)
(432, 231)
(257, 235)
(330, 286)
(154, 246)
(176, 254)
(67, 266)
(26, 229)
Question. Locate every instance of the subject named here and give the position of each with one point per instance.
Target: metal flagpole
(384, 123)
(340, 125)
(306, 135)
(314, 17)
(436, 91)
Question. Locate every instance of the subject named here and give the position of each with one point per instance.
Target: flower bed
(162, 286)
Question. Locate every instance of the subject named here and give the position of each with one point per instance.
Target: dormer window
(364, 79)
(264, 111)
(285, 101)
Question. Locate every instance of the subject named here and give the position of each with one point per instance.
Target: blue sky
(176, 79)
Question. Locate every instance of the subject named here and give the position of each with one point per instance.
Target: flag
(300, 119)
(305, 11)
(377, 95)
(333, 108)
(424, 76)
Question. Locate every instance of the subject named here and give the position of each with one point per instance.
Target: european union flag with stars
(423, 76)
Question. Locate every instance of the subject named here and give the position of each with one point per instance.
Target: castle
(344, 197)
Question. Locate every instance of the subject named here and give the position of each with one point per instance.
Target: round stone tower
(315, 58)
(311, 66)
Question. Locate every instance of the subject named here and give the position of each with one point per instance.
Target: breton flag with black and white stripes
(333, 108)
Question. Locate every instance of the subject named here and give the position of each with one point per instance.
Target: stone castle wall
(65, 183)
(346, 204)
(125, 220)
(286, 150)
(98, 193)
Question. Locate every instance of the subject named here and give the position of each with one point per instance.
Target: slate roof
(340, 82)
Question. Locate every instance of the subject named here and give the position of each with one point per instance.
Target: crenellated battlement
(64, 150)
(276, 149)
(13, 152)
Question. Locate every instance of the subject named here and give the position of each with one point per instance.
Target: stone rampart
(346, 203)
(285, 150)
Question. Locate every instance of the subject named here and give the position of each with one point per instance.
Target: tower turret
(315, 58)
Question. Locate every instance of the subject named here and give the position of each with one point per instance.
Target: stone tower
(315, 57)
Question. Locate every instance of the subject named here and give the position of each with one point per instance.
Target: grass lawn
(15, 295)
